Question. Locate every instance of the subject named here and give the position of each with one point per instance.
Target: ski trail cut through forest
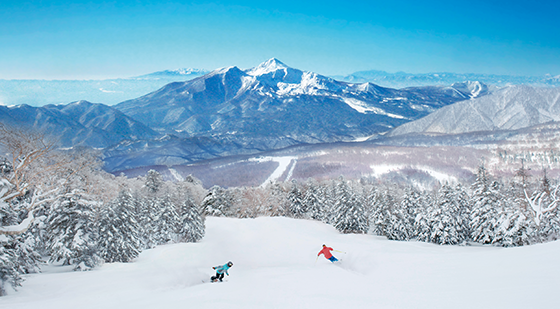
(175, 174)
(283, 164)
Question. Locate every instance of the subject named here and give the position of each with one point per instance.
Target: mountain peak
(268, 66)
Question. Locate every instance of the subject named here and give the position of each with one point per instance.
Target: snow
(381, 169)
(24, 225)
(266, 67)
(364, 108)
(283, 163)
(275, 266)
(175, 174)
(309, 84)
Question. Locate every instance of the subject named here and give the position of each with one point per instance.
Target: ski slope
(275, 267)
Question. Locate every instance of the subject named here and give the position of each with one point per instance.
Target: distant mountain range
(232, 111)
(402, 79)
(113, 91)
(272, 106)
(77, 124)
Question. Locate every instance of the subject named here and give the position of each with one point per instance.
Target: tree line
(488, 211)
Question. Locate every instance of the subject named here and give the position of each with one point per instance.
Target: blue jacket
(222, 269)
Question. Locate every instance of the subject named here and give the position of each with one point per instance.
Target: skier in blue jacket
(220, 270)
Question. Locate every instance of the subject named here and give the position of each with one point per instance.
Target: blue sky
(106, 39)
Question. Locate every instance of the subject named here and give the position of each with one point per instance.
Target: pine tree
(154, 181)
(330, 199)
(9, 272)
(192, 227)
(484, 203)
(71, 233)
(146, 214)
(350, 215)
(119, 232)
(312, 202)
(422, 222)
(295, 197)
(381, 214)
(448, 225)
(28, 257)
(9, 264)
(217, 203)
(167, 222)
(402, 217)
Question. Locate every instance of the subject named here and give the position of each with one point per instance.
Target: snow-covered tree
(276, 202)
(544, 204)
(147, 210)
(312, 201)
(513, 228)
(402, 222)
(71, 231)
(119, 232)
(9, 272)
(449, 223)
(192, 224)
(167, 221)
(381, 212)
(295, 197)
(217, 203)
(484, 203)
(350, 215)
(154, 181)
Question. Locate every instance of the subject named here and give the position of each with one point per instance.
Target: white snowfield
(275, 267)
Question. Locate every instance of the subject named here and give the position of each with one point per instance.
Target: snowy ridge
(511, 108)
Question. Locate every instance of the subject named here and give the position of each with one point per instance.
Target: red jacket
(326, 251)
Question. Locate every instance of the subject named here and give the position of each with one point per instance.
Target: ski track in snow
(276, 266)
(175, 174)
(283, 163)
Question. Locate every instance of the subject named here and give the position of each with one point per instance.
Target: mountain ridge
(80, 123)
(510, 108)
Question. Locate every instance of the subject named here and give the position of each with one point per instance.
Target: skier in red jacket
(326, 251)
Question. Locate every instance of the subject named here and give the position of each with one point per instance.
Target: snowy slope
(510, 108)
(274, 267)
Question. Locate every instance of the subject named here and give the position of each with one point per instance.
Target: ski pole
(316, 261)
(340, 251)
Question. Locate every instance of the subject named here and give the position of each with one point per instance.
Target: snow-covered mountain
(402, 79)
(510, 108)
(79, 123)
(274, 99)
(271, 106)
